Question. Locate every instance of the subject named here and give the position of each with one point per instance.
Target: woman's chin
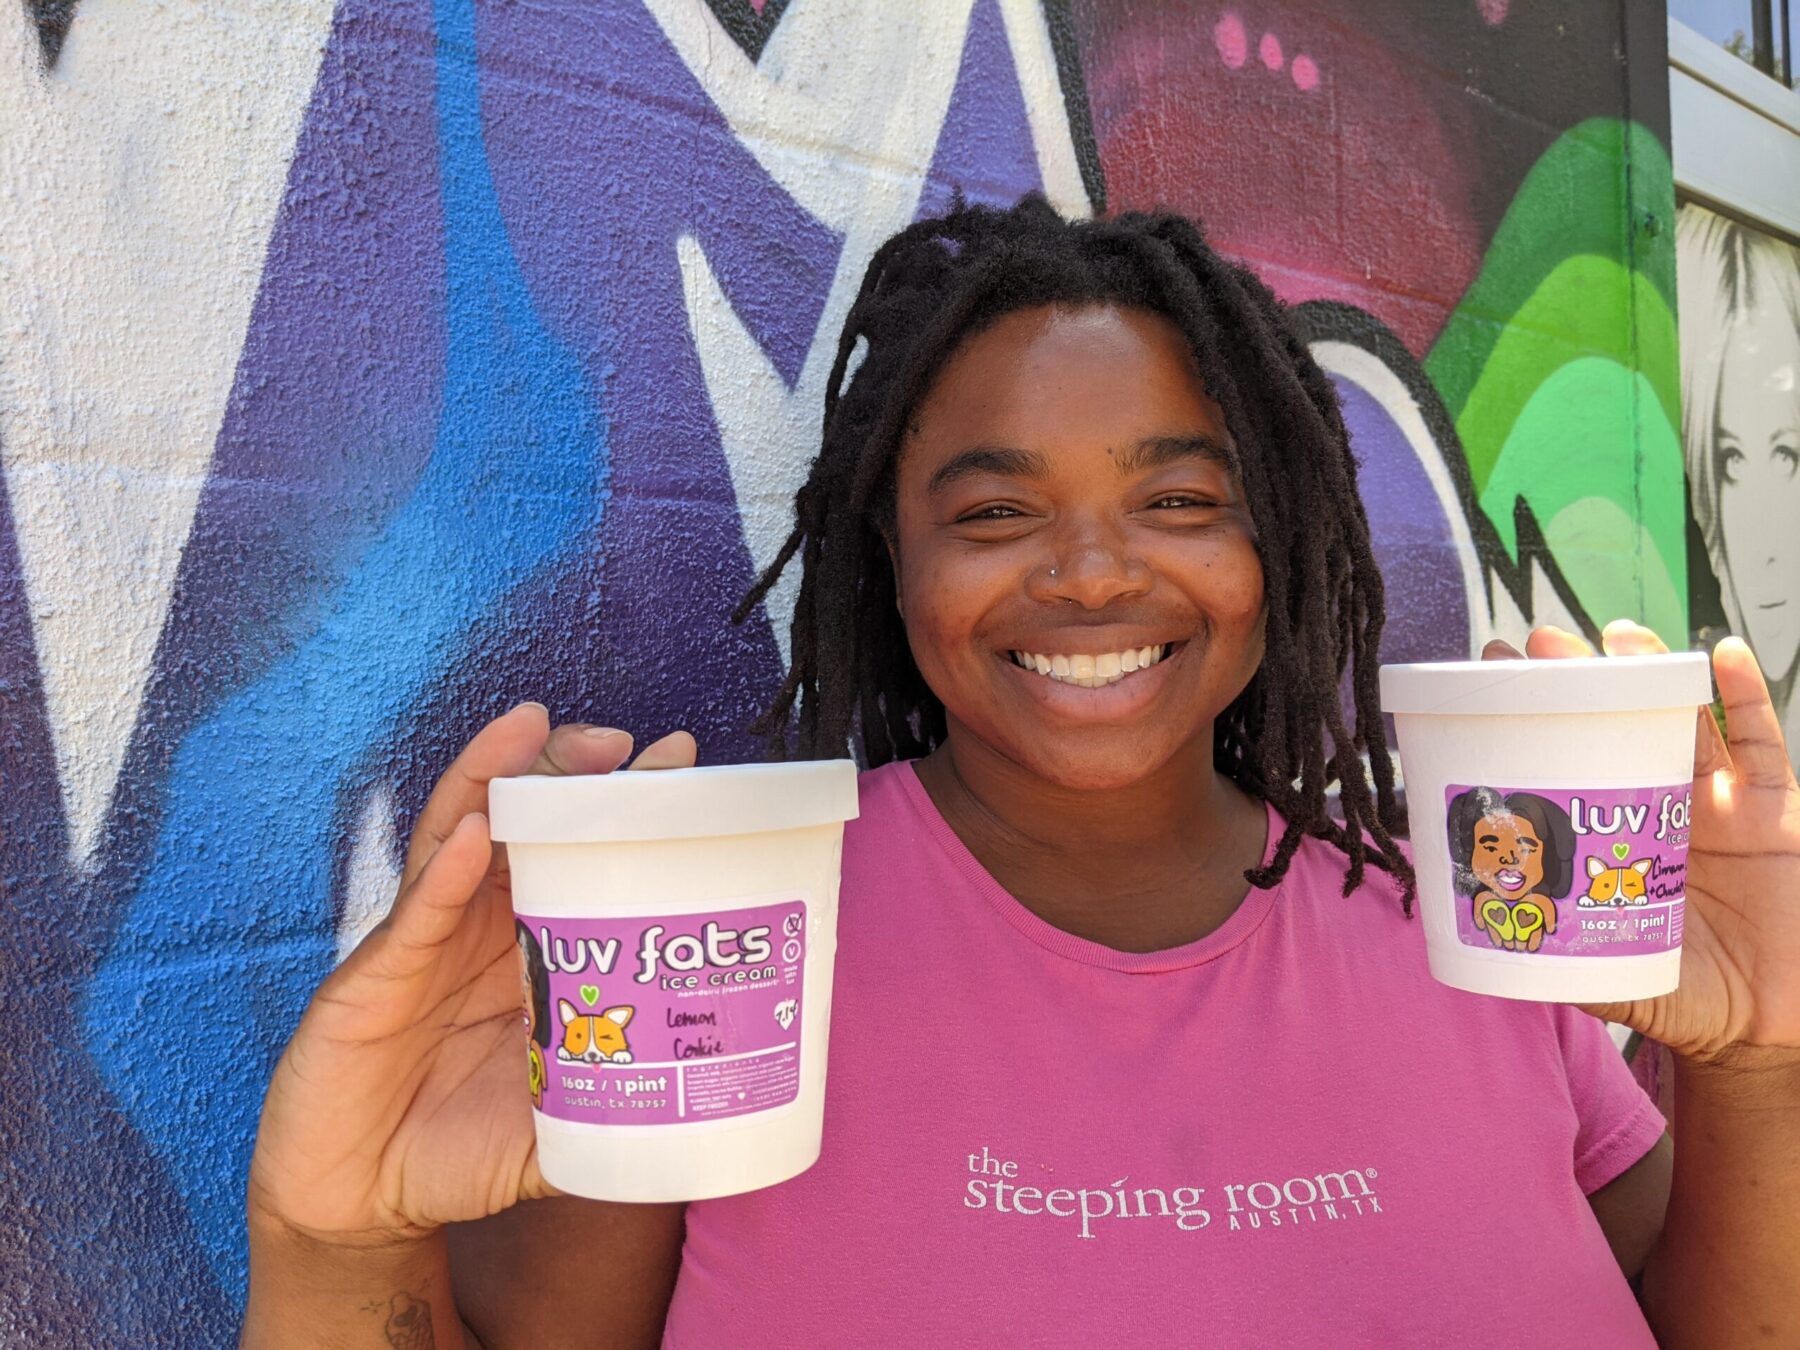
(1074, 768)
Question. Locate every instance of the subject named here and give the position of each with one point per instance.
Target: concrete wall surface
(369, 366)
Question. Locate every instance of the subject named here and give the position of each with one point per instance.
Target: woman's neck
(1151, 865)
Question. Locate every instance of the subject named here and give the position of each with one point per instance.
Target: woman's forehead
(1507, 819)
(1060, 373)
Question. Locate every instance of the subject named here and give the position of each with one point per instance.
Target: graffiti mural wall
(1740, 388)
(368, 367)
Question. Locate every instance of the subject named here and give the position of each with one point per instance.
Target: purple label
(657, 1020)
(1569, 872)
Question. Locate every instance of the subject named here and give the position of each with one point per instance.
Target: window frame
(1734, 134)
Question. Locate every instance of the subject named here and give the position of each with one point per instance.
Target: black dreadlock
(938, 283)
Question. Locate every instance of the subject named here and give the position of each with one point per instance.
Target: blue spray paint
(240, 885)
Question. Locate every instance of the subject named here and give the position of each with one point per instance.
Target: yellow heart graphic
(1498, 920)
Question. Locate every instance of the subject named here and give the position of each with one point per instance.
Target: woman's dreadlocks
(937, 283)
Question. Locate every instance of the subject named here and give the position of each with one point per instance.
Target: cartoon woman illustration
(1740, 393)
(1514, 856)
(534, 988)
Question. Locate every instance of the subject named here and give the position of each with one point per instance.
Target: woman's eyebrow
(1155, 452)
(1000, 460)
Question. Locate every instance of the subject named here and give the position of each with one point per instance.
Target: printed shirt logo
(994, 1183)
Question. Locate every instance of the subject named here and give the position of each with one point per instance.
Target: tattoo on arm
(407, 1324)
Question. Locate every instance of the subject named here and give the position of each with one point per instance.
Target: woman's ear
(894, 567)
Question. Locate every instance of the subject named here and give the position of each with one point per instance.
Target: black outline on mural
(51, 18)
(1335, 321)
(1059, 23)
(751, 31)
(745, 26)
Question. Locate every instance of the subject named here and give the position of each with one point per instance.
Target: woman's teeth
(1512, 880)
(1091, 672)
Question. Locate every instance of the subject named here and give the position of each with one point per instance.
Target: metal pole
(1787, 46)
(1762, 46)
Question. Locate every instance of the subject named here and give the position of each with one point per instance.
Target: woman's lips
(1093, 671)
(1111, 701)
(1509, 879)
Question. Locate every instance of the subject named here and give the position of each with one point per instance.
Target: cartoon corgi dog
(1613, 886)
(593, 1038)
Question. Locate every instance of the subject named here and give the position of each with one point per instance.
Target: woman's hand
(401, 1103)
(1739, 998)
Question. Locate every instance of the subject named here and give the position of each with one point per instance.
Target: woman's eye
(1790, 455)
(995, 512)
(1731, 459)
(1176, 500)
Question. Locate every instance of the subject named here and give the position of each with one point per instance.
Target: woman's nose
(1092, 571)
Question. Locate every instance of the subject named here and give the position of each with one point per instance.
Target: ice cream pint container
(1549, 805)
(676, 930)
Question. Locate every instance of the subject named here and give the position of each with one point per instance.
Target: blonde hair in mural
(1739, 295)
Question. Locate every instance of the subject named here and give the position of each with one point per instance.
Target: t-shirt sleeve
(1617, 1122)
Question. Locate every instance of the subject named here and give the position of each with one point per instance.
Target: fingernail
(604, 733)
(533, 704)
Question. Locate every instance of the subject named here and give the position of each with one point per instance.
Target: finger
(1624, 637)
(428, 911)
(581, 749)
(505, 746)
(1498, 649)
(1622, 1013)
(674, 751)
(1552, 643)
(1710, 756)
(571, 750)
(1752, 731)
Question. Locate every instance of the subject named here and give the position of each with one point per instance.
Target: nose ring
(1053, 574)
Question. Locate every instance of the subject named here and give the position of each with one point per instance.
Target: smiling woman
(1084, 571)
(1068, 442)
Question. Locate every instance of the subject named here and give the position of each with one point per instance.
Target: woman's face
(1758, 453)
(1066, 498)
(1508, 857)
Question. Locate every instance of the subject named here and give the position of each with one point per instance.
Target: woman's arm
(1631, 1208)
(1726, 1269)
(539, 1276)
(380, 1295)
(401, 1104)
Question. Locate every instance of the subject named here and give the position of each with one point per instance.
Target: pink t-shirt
(1285, 1133)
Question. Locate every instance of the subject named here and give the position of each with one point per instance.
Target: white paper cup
(677, 930)
(1549, 803)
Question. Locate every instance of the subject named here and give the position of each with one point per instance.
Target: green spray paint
(1560, 369)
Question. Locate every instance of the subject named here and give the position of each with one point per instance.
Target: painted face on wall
(1508, 856)
(1758, 464)
(1077, 567)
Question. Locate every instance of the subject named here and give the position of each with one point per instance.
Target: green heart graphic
(590, 994)
(1621, 851)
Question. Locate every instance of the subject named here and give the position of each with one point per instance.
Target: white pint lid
(637, 805)
(1580, 684)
